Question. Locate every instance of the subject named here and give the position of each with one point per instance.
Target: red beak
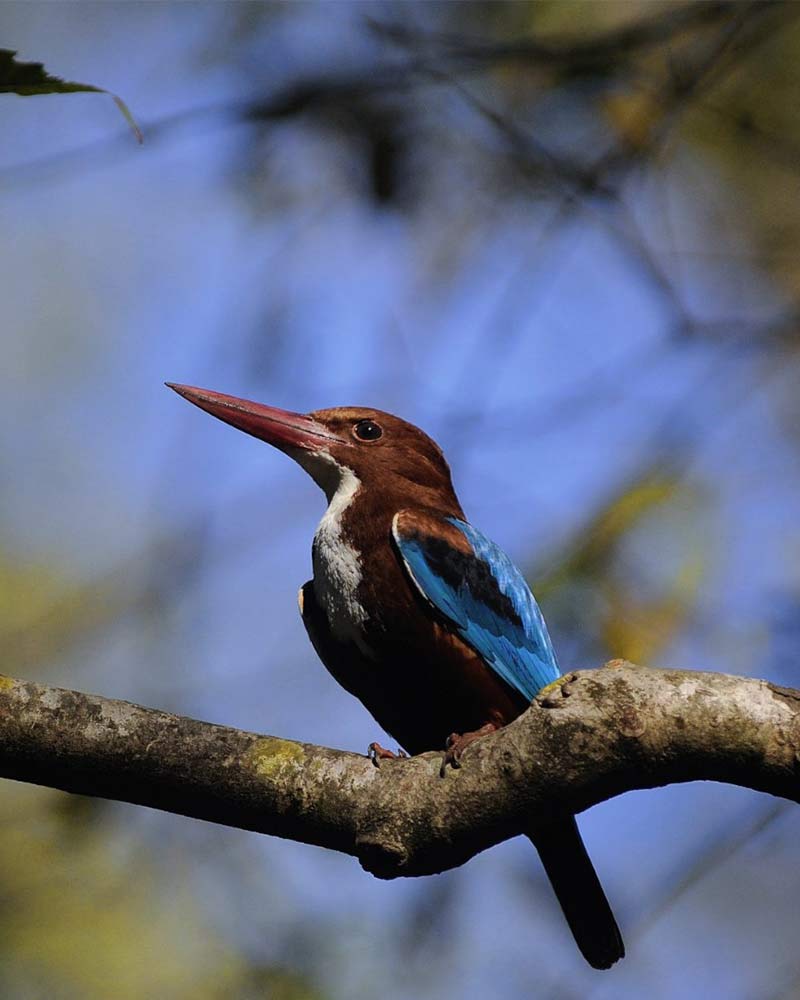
(281, 428)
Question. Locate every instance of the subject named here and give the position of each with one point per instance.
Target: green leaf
(28, 79)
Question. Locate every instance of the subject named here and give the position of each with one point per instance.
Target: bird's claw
(453, 749)
(377, 753)
(457, 743)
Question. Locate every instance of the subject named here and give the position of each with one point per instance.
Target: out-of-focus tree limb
(613, 45)
(594, 735)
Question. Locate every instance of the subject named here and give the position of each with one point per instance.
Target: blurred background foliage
(562, 237)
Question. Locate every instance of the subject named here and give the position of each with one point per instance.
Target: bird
(418, 614)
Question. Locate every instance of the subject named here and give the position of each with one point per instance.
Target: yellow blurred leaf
(631, 579)
(81, 919)
(633, 115)
(640, 630)
(598, 540)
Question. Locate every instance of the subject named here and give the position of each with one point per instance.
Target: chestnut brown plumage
(417, 614)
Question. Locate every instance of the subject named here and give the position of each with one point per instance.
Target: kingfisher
(417, 613)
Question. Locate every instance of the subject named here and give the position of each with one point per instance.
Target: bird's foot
(457, 743)
(377, 753)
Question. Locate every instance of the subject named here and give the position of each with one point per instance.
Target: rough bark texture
(591, 736)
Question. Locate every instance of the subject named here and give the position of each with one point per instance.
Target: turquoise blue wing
(484, 597)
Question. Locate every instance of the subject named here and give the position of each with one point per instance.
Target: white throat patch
(337, 565)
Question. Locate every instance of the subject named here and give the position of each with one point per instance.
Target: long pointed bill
(281, 428)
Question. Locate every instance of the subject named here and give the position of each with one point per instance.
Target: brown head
(387, 455)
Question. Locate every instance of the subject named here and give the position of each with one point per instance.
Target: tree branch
(596, 734)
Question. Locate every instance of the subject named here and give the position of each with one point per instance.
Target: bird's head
(382, 451)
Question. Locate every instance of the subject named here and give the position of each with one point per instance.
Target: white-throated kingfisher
(417, 613)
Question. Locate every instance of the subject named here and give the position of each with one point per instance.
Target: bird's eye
(367, 430)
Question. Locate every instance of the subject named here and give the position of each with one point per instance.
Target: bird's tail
(579, 892)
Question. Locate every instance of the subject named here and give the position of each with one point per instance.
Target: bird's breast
(338, 572)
